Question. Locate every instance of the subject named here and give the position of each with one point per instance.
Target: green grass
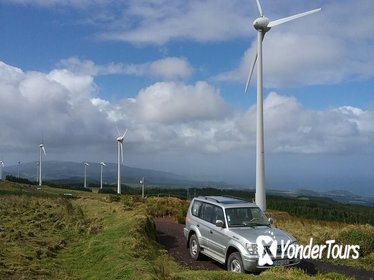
(44, 235)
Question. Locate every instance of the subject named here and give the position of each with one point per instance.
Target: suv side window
(196, 208)
(212, 213)
(208, 212)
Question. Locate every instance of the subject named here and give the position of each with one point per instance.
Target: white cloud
(158, 22)
(169, 68)
(166, 116)
(173, 103)
(293, 129)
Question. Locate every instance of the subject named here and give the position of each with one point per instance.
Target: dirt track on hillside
(170, 235)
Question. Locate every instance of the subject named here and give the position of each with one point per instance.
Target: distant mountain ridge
(74, 172)
(63, 170)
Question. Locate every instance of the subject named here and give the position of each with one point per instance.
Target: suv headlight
(251, 248)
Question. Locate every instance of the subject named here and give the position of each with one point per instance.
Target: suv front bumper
(250, 263)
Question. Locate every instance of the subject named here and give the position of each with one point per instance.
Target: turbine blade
(44, 151)
(259, 7)
(286, 19)
(250, 73)
(252, 68)
(124, 134)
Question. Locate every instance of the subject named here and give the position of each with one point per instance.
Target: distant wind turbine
(119, 159)
(263, 25)
(41, 151)
(1, 169)
(85, 173)
(102, 164)
(142, 183)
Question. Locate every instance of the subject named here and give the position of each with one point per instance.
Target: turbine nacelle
(261, 23)
(42, 148)
(102, 164)
(121, 138)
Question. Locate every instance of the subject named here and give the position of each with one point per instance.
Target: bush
(107, 191)
(363, 236)
(181, 216)
(128, 202)
(159, 207)
(114, 198)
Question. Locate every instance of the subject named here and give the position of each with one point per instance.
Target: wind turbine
(120, 159)
(102, 164)
(41, 150)
(85, 173)
(1, 170)
(263, 25)
(142, 183)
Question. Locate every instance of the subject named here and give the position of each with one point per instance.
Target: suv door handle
(211, 231)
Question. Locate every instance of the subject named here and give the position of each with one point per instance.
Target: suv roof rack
(236, 197)
(224, 199)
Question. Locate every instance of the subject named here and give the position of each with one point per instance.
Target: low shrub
(359, 235)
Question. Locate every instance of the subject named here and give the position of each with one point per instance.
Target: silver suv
(227, 230)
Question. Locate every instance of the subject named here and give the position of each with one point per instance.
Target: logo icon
(267, 246)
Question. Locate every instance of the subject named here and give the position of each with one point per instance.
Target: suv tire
(235, 263)
(194, 247)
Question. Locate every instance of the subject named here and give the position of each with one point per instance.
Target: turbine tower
(41, 151)
(102, 164)
(142, 183)
(119, 159)
(263, 25)
(1, 170)
(37, 172)
(85, 174)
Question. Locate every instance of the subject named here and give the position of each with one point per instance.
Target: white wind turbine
(102, 164)
(120, 159)
(142, 183)
(85, 173)
(263, 25)
(41, 151)
(1, 169)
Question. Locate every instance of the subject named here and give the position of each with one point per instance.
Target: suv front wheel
(194, 247)
(235, 263)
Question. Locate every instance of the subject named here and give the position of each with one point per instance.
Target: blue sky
(173, 73)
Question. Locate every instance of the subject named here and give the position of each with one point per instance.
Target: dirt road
(170, 235)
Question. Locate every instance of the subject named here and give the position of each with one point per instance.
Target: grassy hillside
(45, 234)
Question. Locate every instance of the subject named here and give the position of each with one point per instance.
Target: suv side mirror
(220, 223)
(270, 220)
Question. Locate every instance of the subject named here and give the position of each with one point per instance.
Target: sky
(75, 72)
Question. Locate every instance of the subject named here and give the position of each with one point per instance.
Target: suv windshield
(246, 217)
